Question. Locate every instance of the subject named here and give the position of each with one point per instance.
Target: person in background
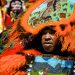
(15, 9)
(4, 18)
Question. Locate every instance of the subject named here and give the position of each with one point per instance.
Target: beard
(18, 12)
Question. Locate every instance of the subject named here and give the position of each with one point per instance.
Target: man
(45, 42)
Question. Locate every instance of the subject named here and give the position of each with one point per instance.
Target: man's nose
(47, 37)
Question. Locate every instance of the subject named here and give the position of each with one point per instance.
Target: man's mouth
(48, 43)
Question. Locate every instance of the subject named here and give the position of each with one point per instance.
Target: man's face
(48, 41)
(16, 5)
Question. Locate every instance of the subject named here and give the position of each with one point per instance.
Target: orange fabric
(18, 47)
(10, 51)
(9, 65)
(10, 62)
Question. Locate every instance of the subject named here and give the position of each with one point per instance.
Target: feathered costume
(12, 63)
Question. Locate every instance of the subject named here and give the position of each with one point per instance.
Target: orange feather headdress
(63, 27)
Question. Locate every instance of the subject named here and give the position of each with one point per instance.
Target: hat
(62, 26)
